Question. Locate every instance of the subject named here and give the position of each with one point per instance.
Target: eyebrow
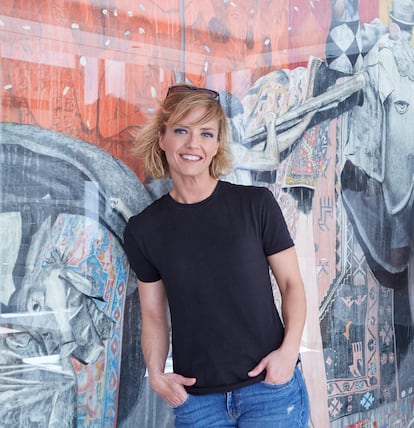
(189, 125)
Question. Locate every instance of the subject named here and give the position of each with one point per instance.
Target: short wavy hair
(176, 105)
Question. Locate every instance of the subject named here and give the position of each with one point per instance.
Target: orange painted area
(97, 72)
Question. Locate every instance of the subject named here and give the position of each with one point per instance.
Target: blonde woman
(203, 251)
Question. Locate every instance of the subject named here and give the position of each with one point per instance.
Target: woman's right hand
(171, 387)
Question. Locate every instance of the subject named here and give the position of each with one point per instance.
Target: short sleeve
(143, 268)
(276, 235)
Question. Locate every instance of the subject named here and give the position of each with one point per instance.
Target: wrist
(290, 348)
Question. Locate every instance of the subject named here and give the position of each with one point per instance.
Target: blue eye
(180, 131)
(207, 134)
(401, 106)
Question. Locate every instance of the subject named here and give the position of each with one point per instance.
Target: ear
(161, 140)
(217, 147)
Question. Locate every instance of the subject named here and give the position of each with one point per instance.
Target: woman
(203, 251)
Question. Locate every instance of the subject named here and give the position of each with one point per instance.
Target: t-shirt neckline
(195, 204)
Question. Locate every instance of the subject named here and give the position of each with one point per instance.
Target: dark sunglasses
(184, 88)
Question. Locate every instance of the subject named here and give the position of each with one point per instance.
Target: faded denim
(256, 406)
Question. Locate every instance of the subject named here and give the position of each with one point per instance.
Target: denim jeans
(260, 405)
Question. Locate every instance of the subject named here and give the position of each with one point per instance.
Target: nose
(193, 141)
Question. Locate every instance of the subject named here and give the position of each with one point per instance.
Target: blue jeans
(260, 405)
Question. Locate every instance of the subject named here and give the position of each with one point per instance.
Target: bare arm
(155, 337)
(285, 268)
(280, 363)
(155, 343)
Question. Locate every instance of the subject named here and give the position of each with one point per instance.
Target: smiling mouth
(191, 157)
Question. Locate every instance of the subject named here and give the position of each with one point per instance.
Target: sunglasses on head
(185, 88)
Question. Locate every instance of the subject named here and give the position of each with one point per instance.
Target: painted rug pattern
(92, 249)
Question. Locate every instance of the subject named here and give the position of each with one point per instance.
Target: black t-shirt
(212, 258)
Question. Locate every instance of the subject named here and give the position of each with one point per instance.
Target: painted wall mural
(318, 96)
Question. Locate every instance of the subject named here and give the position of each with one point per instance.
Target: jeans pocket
(279, 385)
(182, 404)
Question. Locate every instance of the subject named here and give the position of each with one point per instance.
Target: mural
(318, 97)
(379, 211)
(63, 304)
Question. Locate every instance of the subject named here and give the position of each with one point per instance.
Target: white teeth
(191, 157)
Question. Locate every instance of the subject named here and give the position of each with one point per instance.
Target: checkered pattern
(344, 47)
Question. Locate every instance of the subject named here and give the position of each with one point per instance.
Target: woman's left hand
(279, 367)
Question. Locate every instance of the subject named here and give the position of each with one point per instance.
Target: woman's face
(189, 147)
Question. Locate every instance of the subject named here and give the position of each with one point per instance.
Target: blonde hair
(172, 110)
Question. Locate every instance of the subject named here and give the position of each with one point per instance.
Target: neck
(191, 192)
